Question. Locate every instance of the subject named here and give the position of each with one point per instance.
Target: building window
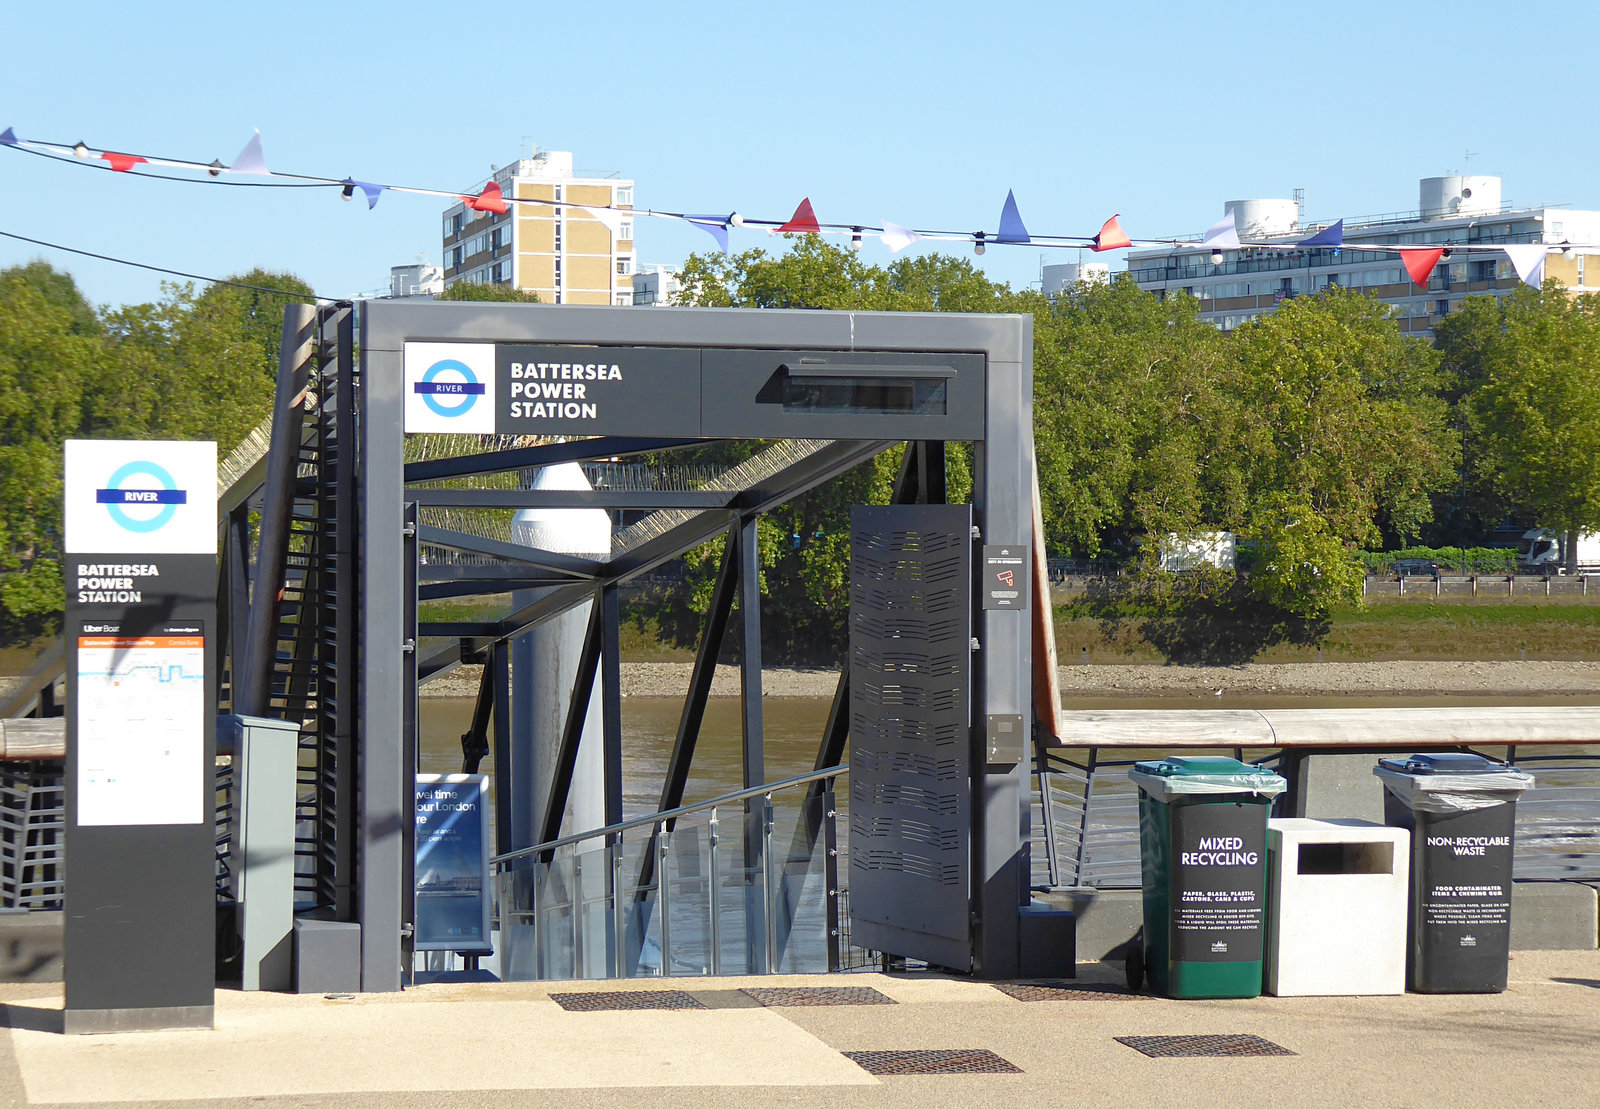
(456, 223)
(624, 195)
(497, 274)
(497, 238)
(624, 266)
(558, 192)
(624, 300)
(1441, 308)
(455, 257)
(448, 229)
(1483, 269)
(625, 231)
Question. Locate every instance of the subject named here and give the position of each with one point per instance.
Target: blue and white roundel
(119, 497)
(449, 387)
(439, 384)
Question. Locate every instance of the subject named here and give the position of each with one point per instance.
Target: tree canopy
(1311, 433)
(467, 290)
(1523, 368)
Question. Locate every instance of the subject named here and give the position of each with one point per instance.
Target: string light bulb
(216, 167)
(978, 246)
(81, 149)
(735, 220)
(855, 238)
(1216, 257)
(349, 189)
(1566, 248)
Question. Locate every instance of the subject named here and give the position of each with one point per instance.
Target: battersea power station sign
(488, 388)
(708, 392)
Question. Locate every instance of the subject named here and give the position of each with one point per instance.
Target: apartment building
(557, 249)
(1464, 213)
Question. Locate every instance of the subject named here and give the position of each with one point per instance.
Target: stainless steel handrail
(670, 814)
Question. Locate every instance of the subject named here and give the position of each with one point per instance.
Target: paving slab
(493, 1045)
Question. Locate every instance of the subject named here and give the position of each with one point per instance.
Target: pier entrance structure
(941, 806)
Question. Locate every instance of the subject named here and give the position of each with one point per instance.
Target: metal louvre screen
(910, 731)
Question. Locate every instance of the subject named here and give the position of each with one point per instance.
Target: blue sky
(921, 115)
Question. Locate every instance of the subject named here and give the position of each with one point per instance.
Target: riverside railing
(746, 883)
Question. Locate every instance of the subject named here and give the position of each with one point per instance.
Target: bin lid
(1192, 766)
(1451, 783)
(1189, 774)
(1444, 763)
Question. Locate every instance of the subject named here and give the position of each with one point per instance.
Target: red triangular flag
(490, 200)
(1419, 263)
(803, 222)
(122, 163)
(1112, 236)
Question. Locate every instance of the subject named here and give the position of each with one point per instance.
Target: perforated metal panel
(910, 731)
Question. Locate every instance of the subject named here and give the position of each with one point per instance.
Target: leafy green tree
(1346, 430)
(1524, 368)
(196, 365)
(1129, 408)
(466, 290)
(44, 360)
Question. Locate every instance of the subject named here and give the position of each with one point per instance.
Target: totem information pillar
(140, 565)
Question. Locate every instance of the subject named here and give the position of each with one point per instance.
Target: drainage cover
(625, 999)
(1064, 991)
(958, 1061)
(779, 996)
(1160, 1047)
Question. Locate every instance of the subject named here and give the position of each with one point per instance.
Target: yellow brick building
(563, 253)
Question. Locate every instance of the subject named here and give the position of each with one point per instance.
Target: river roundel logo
(130, 505)
(449, 388)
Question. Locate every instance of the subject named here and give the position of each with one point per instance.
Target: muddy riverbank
(670, 679)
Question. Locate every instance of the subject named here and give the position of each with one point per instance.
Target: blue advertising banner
(452, 889)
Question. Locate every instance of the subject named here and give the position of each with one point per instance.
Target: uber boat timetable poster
(140, 672)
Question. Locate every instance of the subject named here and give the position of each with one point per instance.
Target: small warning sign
(1005, 577)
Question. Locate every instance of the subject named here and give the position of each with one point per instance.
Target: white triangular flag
(608, 216)
(250, 159)
(897, 238)
(1222, 234)
(1528, 260)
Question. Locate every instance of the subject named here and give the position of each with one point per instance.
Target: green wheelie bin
(1203, 857)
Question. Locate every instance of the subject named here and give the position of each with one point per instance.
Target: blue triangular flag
(1332, 235)
(715, 226)
(371, 192)
(8, 137)
(1011, 229)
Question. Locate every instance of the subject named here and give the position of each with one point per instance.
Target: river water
(793, 726)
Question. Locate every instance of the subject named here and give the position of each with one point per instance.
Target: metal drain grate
(1064, 991)
(1164, 1047)
(958, 1061)
(775, 997)
(602, 1001)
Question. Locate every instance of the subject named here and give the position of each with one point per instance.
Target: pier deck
(526, 1044)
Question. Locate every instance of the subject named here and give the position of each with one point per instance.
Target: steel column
(1003, 667)
(386, 816)
(754, 746)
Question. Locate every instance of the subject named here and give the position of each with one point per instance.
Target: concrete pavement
(510, 1044)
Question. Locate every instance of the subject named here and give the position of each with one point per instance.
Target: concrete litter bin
(1338, 892)
(1203, 852)
(1461, 811)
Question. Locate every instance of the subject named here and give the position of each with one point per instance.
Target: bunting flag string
(1527, 259)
